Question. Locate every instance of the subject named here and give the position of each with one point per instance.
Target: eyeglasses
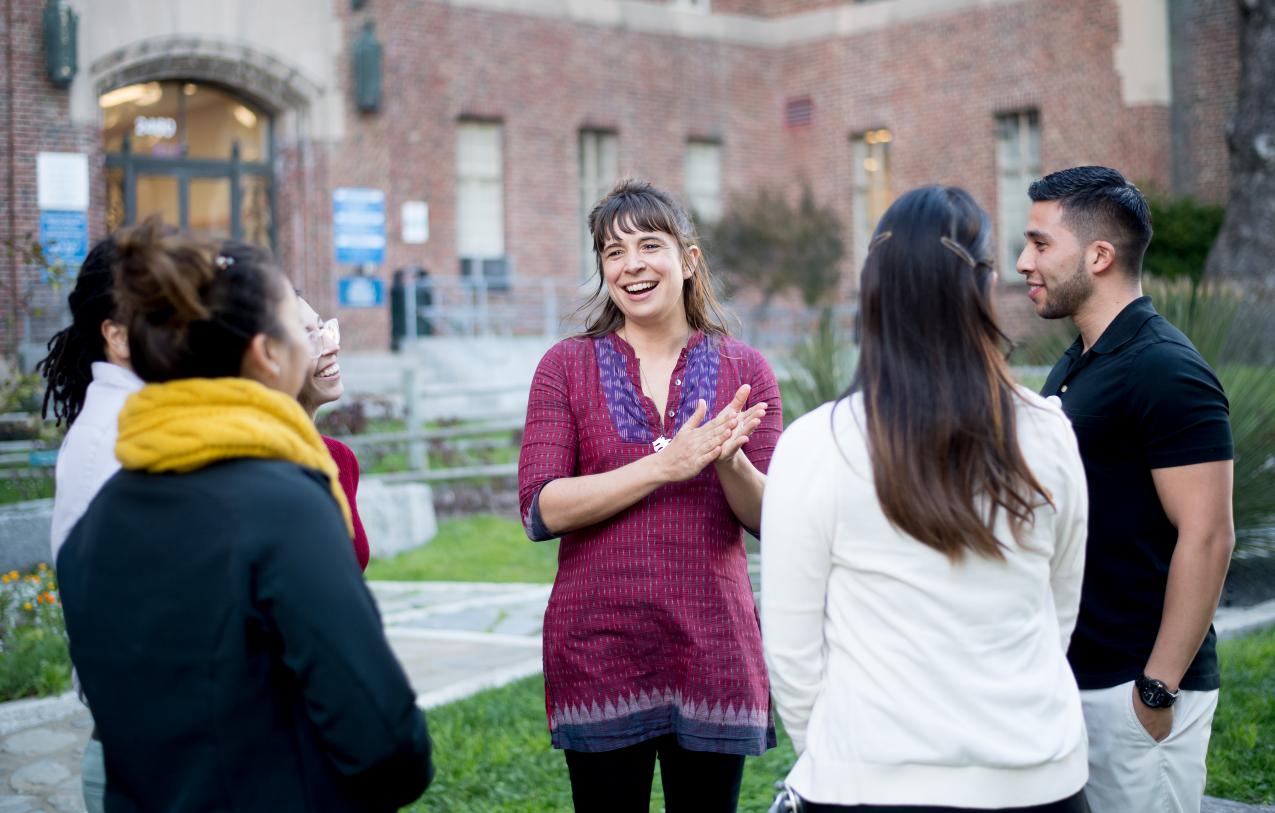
(328, 333)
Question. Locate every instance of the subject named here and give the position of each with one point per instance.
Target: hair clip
(879, 239)
(959, 250)
(223, 262)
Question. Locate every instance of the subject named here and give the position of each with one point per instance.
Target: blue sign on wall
(358, 225)
(360, 292)
(64, 236)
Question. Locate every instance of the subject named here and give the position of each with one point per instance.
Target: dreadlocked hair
(68, 366)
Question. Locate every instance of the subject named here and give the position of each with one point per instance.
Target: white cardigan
(904, 679)
(87, 458)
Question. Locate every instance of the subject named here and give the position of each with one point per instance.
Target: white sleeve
(797, 528)
(1067, 566)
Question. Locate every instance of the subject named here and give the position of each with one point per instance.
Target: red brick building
(507, 117)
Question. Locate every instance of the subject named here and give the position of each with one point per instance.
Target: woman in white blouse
(922, 550)
(88, 380)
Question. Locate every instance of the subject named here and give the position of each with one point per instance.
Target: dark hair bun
(192, 305)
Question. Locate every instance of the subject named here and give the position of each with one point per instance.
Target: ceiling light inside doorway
(143, 95)
(245, 116)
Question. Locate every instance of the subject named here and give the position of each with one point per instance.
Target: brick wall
(39, 124)
(937, 83)
(545, 80)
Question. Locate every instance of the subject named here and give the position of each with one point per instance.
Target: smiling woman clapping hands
(651, 640)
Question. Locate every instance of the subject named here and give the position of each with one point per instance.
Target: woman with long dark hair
(651, 642)
(228, 647)
(923, 547)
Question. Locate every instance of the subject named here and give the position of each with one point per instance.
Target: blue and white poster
(64, 236)
(62, 193)
(360, 292)
(358, 225)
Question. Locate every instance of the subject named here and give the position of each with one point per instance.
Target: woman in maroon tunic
(323, 386)
(651, 640)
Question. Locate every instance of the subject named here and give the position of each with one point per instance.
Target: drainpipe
(13, 169)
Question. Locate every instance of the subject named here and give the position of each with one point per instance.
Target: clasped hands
(697, 444)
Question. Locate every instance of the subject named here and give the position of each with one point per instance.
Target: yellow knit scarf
(185, 425)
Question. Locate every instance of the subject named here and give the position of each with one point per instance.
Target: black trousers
(620, 781)
(1072, 804)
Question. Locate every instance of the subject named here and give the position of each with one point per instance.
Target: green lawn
(479, 548)
(492, 750)
(21, 489)
(1242, 751)
(492, 753)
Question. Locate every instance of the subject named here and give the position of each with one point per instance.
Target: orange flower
(26, 606)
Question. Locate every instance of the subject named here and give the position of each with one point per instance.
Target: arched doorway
(191, 152)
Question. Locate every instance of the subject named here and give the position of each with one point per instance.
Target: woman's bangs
(629, 214)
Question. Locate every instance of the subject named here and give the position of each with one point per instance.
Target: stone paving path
(454, 639)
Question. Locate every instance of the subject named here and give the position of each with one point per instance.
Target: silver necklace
(660, 442)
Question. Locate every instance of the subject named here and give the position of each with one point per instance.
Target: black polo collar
(1125, 326)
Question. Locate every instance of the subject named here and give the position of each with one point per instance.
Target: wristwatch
(1154, 694)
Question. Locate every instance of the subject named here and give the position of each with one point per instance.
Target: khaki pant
(1129, 772)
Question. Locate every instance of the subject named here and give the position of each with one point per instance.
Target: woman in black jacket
(232, 655)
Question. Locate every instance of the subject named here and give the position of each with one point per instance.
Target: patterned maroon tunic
(651, 628)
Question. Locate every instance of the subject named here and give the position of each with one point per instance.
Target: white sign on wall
(62, 181)
(415, 221)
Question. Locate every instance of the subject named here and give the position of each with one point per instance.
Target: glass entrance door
(192, 154)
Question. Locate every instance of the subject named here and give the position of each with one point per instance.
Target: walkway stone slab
(1212, 805)
(39, 741)
(39, 777)
(21, 804)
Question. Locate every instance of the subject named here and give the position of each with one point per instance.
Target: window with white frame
(480, 204)
(872, 188)
(1017, 165)
(703, 175)
(599, 168)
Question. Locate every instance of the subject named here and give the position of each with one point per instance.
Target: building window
(1017, 165)
(599, 168)
(871, 187)
(799, 111)
(692, 5)
(480, 204)
(703, 173)
(195, 155)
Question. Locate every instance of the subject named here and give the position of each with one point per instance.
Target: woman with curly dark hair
(89, 378)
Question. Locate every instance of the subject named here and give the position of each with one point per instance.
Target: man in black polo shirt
(1154, 433)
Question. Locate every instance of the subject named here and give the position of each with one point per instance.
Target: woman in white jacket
(922, 550)
(88, 380)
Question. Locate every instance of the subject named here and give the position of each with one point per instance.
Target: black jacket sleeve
(356, 694)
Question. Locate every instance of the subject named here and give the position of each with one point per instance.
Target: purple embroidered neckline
(625, 403)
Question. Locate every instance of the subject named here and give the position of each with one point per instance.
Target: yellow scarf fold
(180, 426)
